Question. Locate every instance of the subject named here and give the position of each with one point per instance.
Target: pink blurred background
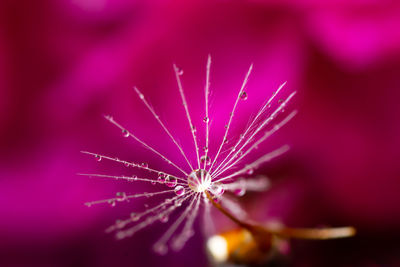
(66, 63)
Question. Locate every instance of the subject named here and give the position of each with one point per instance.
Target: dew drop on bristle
(206, 119)
(205, 159)
(194, 129)
(125, 133)
(170, 181)
(205, 148)
(120, 196)
(161, 179)
(163, 218)
(178, 203)
(239, 192)
(179, 190)
(119, 224)
(153, 182)
(120, 235)
(243, 95)
(217, 199)
(179, 71)
(111, 202)
(144, 165)
(160, 249)
(250, 171)
(97, 158)
(134, 217)
(217, 189)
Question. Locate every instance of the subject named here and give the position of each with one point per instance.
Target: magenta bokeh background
(63, 64)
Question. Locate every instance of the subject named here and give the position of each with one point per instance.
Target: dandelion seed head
(202, 180)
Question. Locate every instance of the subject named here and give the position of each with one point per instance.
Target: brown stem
(286, 232)
(227, 213)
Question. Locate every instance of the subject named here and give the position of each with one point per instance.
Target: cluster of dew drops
(162, 178)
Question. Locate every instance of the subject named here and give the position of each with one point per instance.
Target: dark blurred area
(66, 63)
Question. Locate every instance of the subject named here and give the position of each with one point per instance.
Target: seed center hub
(199, 180)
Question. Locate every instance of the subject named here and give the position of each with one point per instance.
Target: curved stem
(287, 232)
(227, 213)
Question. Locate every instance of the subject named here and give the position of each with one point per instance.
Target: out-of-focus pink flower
(66, 63)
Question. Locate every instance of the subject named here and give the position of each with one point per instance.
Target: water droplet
(153, 182)
(111, 202)
(125, 133)
(119, 224)
(217, 199)
(160, 249)
(144, 165)
(205, 159)
(134, 217)
(205, 148)
(239, 192)
(250, 171)
(178, 203)
(120, 235)
(226, 126)
(217, 189)
(163, 218)
(269, 105)
(226, 141)
(161, 179)
(194, 129)
(134, 177)
(243, 95)
(89, 204)
(170, 181)
(120, 196)
(179, 71)
(179, 190)
(141, 96)
(97, 157)
(241, 136)
(206, 119)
